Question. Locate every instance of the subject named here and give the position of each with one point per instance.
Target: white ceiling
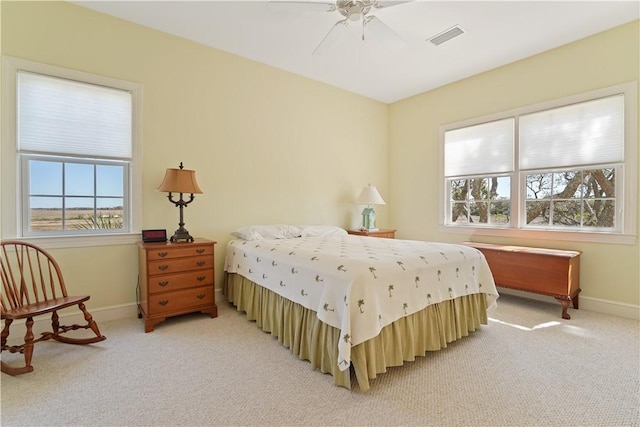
(496, 33)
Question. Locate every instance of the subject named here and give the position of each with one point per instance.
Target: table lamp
(369, 196)
(181, 181)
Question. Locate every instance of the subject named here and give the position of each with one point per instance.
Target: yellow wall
(608, 271)
(268, 146)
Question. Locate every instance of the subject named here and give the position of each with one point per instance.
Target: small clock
(154, 235)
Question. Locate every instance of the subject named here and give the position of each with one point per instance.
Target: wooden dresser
(542, 271)
(388, 233)
(175, 278)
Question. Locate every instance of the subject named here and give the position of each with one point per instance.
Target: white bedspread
(361, 284)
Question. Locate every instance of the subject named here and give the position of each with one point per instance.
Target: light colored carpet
(527, 367)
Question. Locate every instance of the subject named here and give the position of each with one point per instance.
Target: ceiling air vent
(446, 35)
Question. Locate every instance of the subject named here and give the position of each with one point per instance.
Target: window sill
(552, 235)
(58, 242)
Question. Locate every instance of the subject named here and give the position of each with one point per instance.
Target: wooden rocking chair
(32, 285)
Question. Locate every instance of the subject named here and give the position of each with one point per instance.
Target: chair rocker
(32, 285)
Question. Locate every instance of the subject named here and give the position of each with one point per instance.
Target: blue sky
(47, 180)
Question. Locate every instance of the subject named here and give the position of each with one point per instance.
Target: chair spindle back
(30, 275)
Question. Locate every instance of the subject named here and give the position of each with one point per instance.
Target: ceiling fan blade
(381, 32)
(383, 4)
(331, 37)
(301, 6)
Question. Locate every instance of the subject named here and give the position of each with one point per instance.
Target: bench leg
(565, 305)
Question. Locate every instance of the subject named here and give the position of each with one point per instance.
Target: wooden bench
(542, 271)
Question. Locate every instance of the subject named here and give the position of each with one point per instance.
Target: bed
(354, 304)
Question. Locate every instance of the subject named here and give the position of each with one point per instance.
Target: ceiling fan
(353, 11)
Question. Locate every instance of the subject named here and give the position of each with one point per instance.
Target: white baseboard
(100, 314)
(127, 311)
(628, 311)
(115, 312)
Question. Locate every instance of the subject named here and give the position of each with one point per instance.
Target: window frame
(12, 210)
(627, 191)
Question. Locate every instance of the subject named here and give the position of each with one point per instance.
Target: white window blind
(586, 133)
(68, 117)
(480, 149)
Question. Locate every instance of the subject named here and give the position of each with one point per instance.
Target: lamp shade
(180, 181)
(370, 196)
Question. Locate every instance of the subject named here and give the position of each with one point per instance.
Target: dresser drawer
(180, 264)
(173, 282)
(387, 233)
(187, 299)
(162, 252)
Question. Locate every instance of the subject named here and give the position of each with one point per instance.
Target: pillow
(321, 230)
(274, 231)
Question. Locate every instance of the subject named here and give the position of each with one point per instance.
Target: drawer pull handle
(163, 302)
(199, 251)
(163, 267)
(201, 278)
(200, 296)
(162, 254)
(163, 283)
(201, 263)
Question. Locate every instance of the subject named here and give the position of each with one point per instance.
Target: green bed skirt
(300, 330)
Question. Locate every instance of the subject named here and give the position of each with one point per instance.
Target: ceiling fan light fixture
(357, 10)
(353, 14)
(446, 35)
(354, 10)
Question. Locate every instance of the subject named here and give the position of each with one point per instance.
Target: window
(568, 166)
(484, 200)
(69, 195)
(580, 199)
(76, 153)
(478, 157)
